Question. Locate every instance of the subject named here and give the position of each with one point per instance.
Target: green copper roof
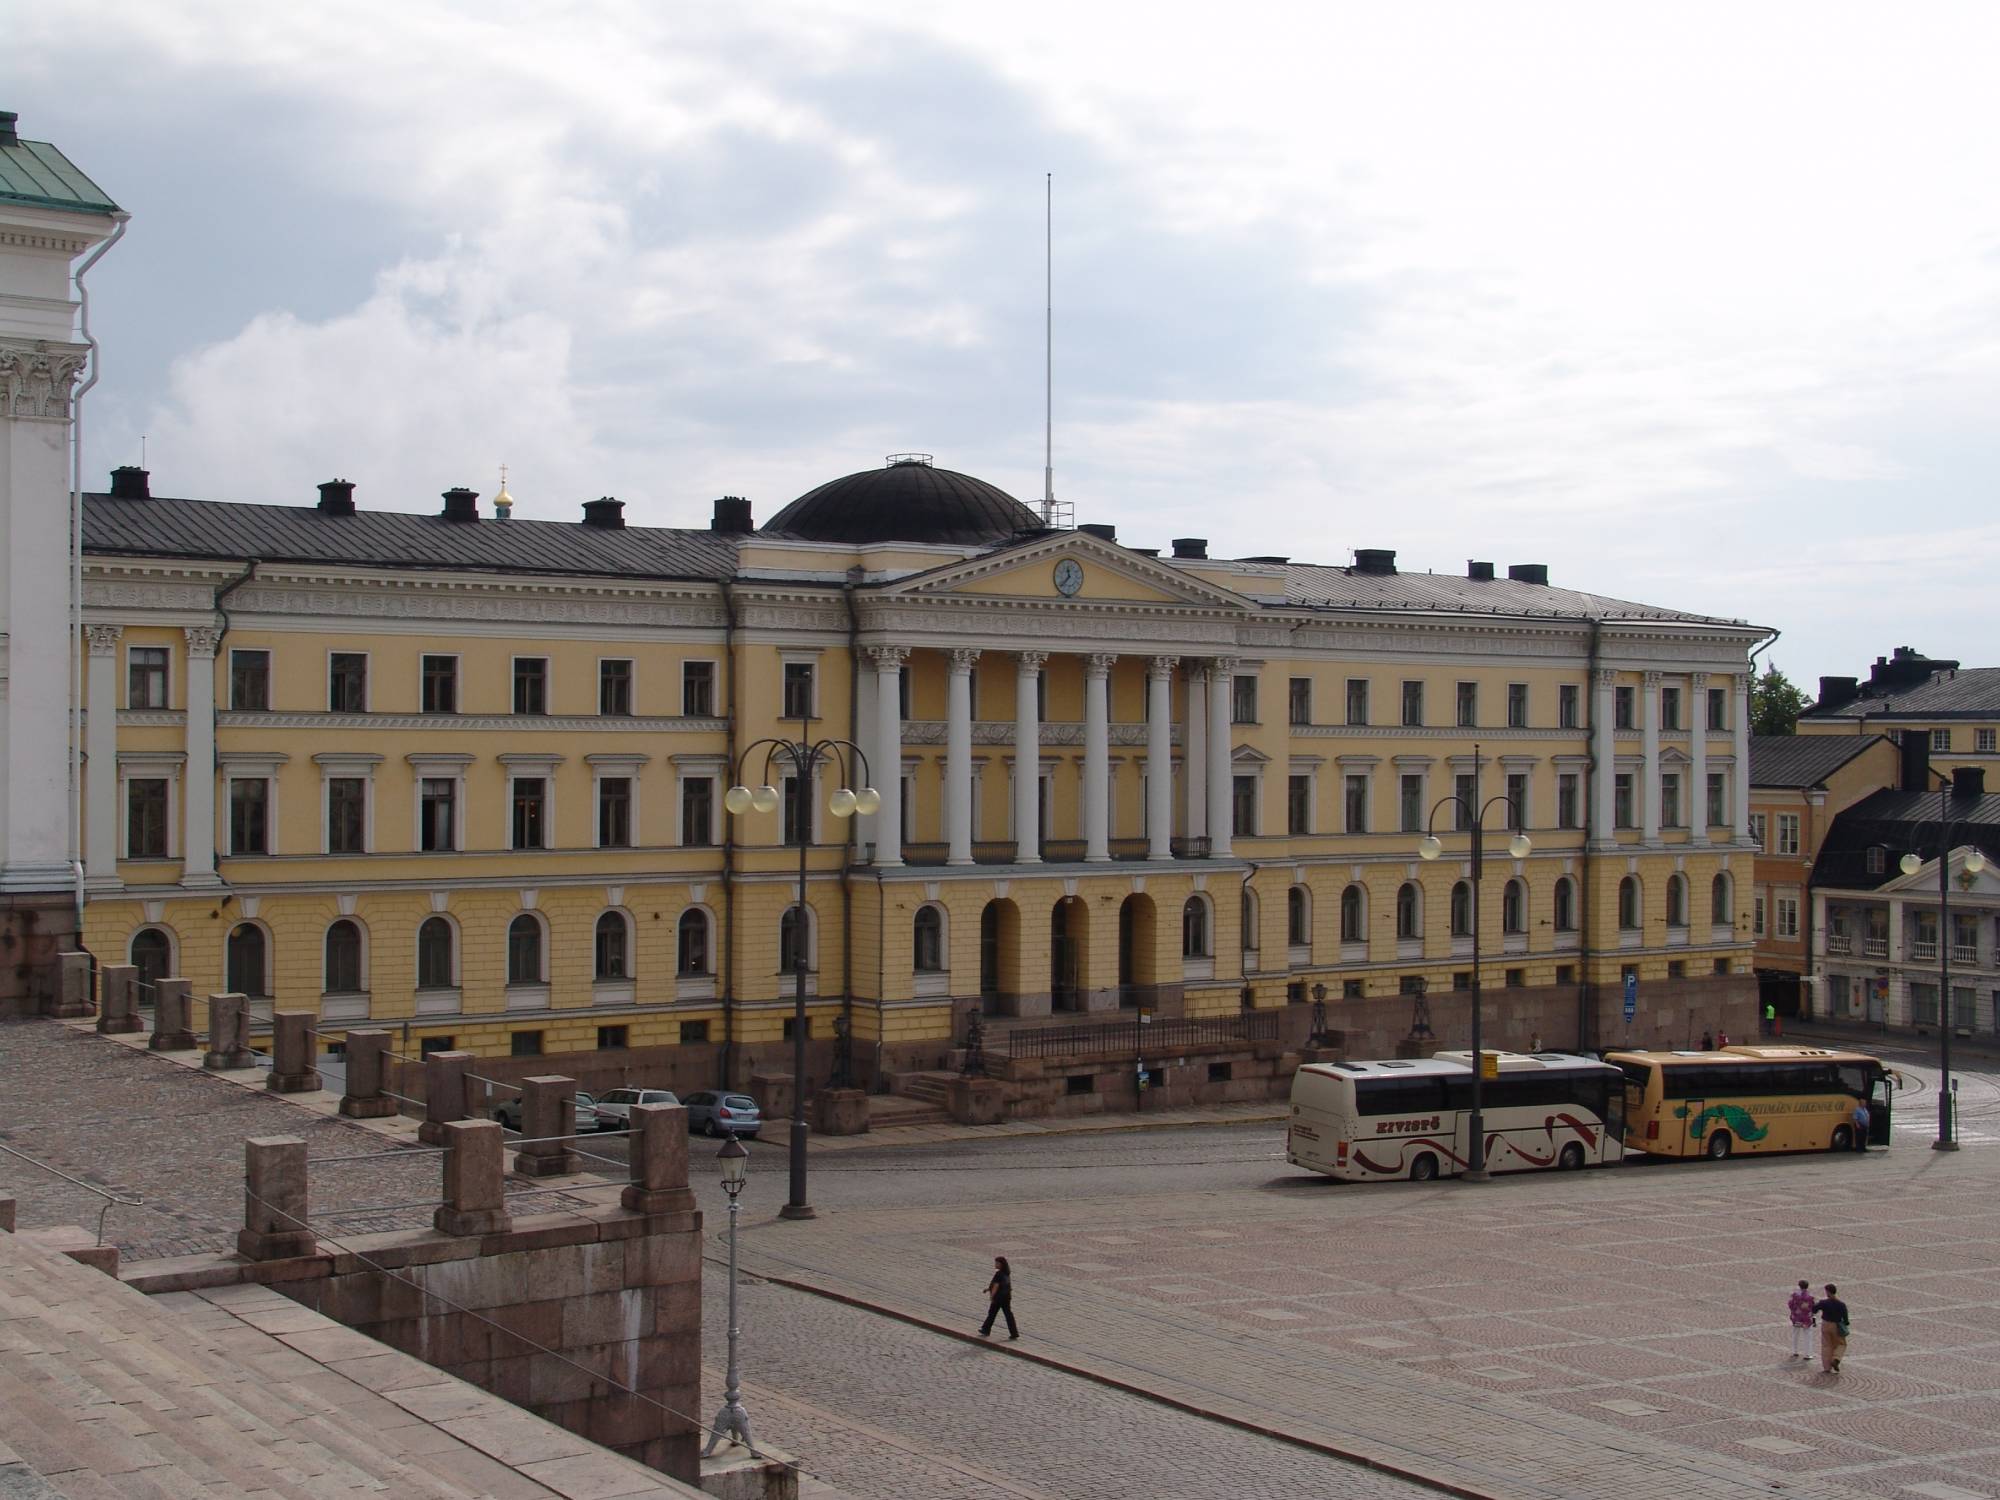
(34, 172)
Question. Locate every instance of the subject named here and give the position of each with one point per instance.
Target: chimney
(1191, 546)
(1916, 751)
(1101, 532)
(1968, 782)
(1529, 573)
(1380, 561)
(1836, 691)
(336, 498)
(606, 514)
(732, 516)
(1479, 572)
(129, 482)
(8, 135)
(461, 505)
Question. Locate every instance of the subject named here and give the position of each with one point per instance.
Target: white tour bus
(1366, 1121)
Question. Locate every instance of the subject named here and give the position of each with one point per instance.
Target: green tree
(1775, 705)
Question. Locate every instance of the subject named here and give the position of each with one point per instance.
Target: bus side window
(1854, 1080)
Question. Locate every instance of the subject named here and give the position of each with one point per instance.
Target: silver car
(723, 1114)
(614, 1107)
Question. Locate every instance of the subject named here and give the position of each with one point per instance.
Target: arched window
(1461, 909)
(1249, 920)
(1721, 906)
(437, 954)
(1353, 915)
(153, 956)
(1194, 929)
(1514, 907)
(343, 959)
(794, 942)
(1409, 911)
(1628, 903)
(524, 950)
(1677, 901)
(1565, 905)
(248, 961)
(1298, 916)
(691, 949)
(927, 937)
(614, 947)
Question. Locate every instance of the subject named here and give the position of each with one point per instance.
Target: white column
(1097, 757)
(198, 845)
(864, 736)
(1194, 771)
(1160, 758)
(1739, 775)
(958, 757)
(1649, 728)
(1603, 826)
(1028, 758)
(1220, 766)
(1698, 755)
(100, 858)
(889, 751)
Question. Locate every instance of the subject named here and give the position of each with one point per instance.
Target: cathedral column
(889, 747)
(958, 757)
(1740, 774)
(198, 845)
(1698, 757)
(1097, 756)
(1649, 731)
(1220, 767)
(1603, 749)
(100, 784)
(1028, 758)
(1160, 758)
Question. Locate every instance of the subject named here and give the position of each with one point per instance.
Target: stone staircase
(913, 1099)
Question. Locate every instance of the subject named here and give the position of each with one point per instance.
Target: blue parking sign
(1631, 996)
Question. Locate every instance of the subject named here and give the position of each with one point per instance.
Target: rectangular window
(1718, 709)
(1411, 802)
(524, 1043)
(613, 1038)
(438, 830)
(614, 812)
(346, 815)
(531, 808)
(1463, 811)
(614, 688)
(697, 812)
(1923, 1004)
(146, 677)
(1517, 705)
(1940, 739)
(903, 693)
(1357, 700)
(1757, 915)
(1566, 800)
(1670, 708)
(698, 689)
(1622, 716)
(531, 684)
(1757, 835)
(440, 685)
(798, 811)
(792, 1027)
(1357, 804)
(1565, 973)
(1243, 700)
(249, 815)
(1300, 701)
(1243, 805)
(430, 1046)
(1677, 968)
(1718, 797)
(1621, 800)
(1788, 916)
(347, 682)
(694, 1031)
(1567, 698)
(1298, 805)
(1351, 989)
(1670, 799)
(1468, 705)
(1517, 801)
(1788, 833)
(1515, 978)
(146, 819)
(1413, 703)
(1982, 741)
(250, 681)
(798, 691)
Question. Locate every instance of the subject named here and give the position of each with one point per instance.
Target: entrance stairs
(913, 1099)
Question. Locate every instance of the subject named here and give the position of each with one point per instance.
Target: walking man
(1000, 1299)
(1861, 1125)
(1832, 1329)
(1799, 1307)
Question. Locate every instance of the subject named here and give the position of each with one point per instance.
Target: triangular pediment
(1963, 882)
(1068, 567)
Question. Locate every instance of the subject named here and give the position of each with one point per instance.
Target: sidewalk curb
(875, 1139)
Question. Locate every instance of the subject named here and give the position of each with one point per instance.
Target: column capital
(886, 657)
(962, 658)
(103, 638)
(1030, 661)
(1653, 679)
(1697, 680)
(1099, 663)
(36, 378)
(1604, 677)
(202, 640)
(1224, 665)
(1161, 666)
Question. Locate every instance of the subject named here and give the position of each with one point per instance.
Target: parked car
(723, 1114)
(614, 1107)
(508, 1113)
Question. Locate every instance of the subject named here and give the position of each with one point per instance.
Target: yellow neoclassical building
(465, 776)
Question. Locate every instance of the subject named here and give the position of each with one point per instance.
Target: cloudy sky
(1700, 305)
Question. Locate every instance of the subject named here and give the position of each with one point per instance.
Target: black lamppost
(1473, 815)
(1975, 863)
(732, 1421)
(805, 757)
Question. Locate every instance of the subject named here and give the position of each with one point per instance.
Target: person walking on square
(1721, 1040)
(1000, 1299)
(1832, 1329)
(1708, 1041)
(1861, 1125)
(1799, 1306)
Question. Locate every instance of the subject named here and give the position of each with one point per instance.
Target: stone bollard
(274, 1200)
(548, 1108)
(292, 1071)
(444, 1094)
(475, 1177)
(118, 993)
(6, 1215)
(229, 1033)
(72, 992)
(367, 1051)
(658, 1148)
(173, 1029)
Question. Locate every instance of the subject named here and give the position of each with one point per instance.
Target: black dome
(908, 501)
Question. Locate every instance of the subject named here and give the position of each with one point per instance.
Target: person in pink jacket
(1800, 1306)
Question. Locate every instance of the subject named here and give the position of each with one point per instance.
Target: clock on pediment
(1069, 577)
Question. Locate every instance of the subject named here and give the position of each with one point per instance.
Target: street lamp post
(1474, 813)
(1975, 863)
(732, 1421)
(806, 756)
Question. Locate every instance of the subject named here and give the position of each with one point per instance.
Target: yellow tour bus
(1750, 1099)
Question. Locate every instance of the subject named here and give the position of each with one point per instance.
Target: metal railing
(1875, 947)
(111, 1200)
(1120, 1038)
(1922, 950)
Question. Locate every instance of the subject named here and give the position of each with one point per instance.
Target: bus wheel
(1571, 1158)
(1843, 1139)
(1424, 1168)
(1719, 1145)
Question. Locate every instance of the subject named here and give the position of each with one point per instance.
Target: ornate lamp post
(1473, 815)
(1975, 863)
(732, 1421)
(1317, 1037)
(805, 757)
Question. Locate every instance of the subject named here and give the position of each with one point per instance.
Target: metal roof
(907, 501)
(1320, 586)
(1902, 822)
(35, 173)
(1955, 692)
(1803, 760)
(386, 539)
